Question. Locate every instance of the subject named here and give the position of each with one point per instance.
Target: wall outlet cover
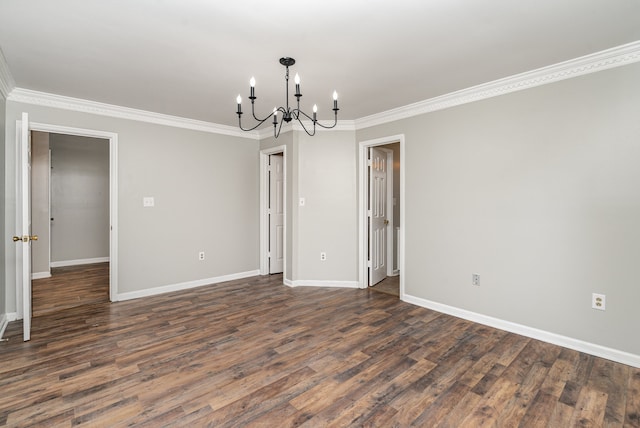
(598, 301)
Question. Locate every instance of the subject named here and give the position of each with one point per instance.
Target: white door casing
(23, 223)
(377, 215)
(276, 214)
(264, 209)
(24, 304)
(363, 196)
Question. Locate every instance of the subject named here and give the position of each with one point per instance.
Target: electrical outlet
(148, 202)
(302, 202)
(598, 301)
(475, 279)
(201, 255)
(323, 256)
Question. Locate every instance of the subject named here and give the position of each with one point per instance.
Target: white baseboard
(315, 283)
(395, 272)
(41, 275)
(64, 263)
(534, 333)
(5, 320)
(3, 324)
(287, 282)
(184, 285)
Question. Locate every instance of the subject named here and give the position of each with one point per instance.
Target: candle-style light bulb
(335, 96)
(252, 82)
(335, 101)
(275, 116)
(297, 80)
(239, 100)
(315, 111)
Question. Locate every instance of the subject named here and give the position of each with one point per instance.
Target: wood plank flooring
(256, 353)
(70, 286)
(389, 285)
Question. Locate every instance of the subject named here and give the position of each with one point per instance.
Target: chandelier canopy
(288, 113)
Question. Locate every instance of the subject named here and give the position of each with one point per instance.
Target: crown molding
(7, 84)
(28, 96)
(610, 58)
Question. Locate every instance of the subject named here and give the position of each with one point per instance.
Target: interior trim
(321, 283)
(28, 96)
(534, 333)
(610, 58)
(184, 285)
(7, 84)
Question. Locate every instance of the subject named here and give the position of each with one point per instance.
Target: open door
(377, 215)
(23, 236)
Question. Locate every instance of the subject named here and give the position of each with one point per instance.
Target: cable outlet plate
(598, 301)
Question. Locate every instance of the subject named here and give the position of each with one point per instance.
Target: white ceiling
(192, 58)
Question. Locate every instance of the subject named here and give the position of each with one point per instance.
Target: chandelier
(288, 113)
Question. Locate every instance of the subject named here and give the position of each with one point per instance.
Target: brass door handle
(386, 221)
(25, 238)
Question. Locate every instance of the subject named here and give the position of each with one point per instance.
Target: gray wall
(322, 170)
(206, 199)
(536, 191)
(79, 198)
(40, 224)
(328, 221)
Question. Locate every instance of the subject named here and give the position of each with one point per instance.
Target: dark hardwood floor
(389, 285)
(256, 353)
(70, 286)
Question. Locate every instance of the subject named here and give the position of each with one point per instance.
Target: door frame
(264, 207)
(113, 199)
(363, 229)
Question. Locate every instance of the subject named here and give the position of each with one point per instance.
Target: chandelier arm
(305, 128)
(260, 122)
(335, 122)
(299, 112)
(276, 135)
(253, 112)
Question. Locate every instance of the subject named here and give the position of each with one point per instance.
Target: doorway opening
(381, 214)
(70, 215)
(273, 212)
(25, 236)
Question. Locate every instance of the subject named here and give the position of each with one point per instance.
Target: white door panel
(276, 214)
(23, 236)
(377, 215)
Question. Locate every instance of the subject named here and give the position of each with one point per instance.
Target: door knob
(386, 221)
(25, 238)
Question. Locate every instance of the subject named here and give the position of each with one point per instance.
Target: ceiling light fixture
(288, 114)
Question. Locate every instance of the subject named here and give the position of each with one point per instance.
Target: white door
(377, 215)
(23, 236)
(276, 214)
